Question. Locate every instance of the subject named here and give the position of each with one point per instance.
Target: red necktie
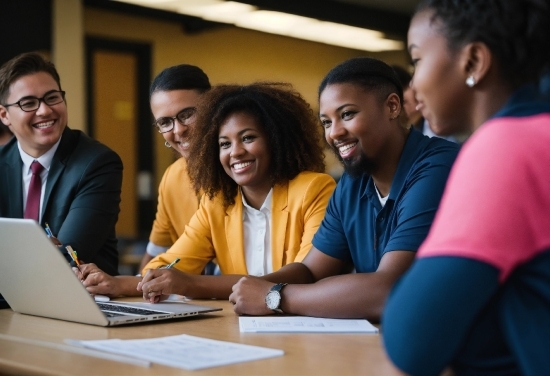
(32, 210)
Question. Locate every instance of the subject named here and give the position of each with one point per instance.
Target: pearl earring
(167, 144)
(470, 81)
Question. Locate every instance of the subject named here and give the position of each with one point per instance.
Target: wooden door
(119, 116)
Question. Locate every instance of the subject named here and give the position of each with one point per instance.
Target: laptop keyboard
(113, 309)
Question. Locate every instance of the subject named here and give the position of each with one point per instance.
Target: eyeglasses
(30, 104)
(184, 117)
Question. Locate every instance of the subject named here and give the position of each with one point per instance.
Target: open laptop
(36, 279)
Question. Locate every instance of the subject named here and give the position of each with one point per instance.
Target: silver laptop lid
(36, 279)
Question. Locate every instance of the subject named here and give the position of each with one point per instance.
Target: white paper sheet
(302, 324)
(184, 351)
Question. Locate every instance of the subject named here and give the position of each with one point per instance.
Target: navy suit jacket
(82, 197)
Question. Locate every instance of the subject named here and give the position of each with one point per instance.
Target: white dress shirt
(154, 249)
(257, 237)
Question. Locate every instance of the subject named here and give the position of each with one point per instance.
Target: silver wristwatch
(273, 298)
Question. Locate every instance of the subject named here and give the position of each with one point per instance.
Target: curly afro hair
(291, 127)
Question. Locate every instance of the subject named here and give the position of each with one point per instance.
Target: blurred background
(108, 51)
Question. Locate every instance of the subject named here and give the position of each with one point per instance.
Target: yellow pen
(73, 255)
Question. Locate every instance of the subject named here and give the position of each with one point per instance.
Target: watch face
(272, 300)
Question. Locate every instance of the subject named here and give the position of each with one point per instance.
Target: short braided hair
(516, 31)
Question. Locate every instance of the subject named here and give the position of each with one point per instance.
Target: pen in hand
(49, 231)
(156, 297)
(171, 264)
(73, 256)
(54, 240)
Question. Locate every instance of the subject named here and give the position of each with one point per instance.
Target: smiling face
(244, 153)
(37, 131)
(439, 77)
(169, 104)
(357, 125)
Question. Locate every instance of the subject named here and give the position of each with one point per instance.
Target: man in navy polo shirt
(378, 215)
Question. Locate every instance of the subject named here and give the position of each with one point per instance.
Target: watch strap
(277, 288)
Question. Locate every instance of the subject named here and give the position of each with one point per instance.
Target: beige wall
(227, 54)
(68, 57)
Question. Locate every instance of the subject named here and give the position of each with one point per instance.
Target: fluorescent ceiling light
(273, 22)
(248, 16)
(225, 11)
(346, 36)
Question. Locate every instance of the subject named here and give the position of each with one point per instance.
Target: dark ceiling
(370, 14)
(389, 16)
(400, 6)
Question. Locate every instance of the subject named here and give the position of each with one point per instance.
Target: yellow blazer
(298, 208)
(177, 203)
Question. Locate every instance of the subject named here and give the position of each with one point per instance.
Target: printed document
(183, 351)
(303, 324)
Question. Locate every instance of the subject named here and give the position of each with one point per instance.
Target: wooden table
(22, 350)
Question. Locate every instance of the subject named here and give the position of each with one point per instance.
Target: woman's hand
(248, 297)
(97, 282)
(159, 283)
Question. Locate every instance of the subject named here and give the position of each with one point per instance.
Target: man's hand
(159, 283)
(97, 281)
(248, 297)
(55, 241)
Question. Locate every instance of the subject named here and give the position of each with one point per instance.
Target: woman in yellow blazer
(215, 231)
(255, 151)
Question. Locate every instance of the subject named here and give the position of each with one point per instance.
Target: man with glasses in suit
(50, 173)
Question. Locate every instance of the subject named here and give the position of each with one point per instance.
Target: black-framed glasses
(184, 117)
(30, 104)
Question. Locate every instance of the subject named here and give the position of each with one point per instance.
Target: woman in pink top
(477, 299)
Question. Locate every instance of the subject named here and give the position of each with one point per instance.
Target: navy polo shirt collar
(407, 159)
(405, 163)
(525, 101)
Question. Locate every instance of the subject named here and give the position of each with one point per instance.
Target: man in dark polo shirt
(378, 215)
